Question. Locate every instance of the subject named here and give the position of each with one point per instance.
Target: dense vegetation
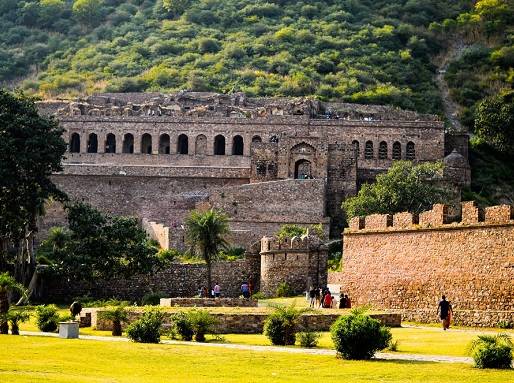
(359, 50)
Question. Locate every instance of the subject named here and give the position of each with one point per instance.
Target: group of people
(322, 297)
(203, 292)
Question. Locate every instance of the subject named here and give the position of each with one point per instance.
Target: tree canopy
(31, 148)
(405, 187)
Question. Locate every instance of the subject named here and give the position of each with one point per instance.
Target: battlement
(303, 243)
(438, 217)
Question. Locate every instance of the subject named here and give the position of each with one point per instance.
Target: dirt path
(304, 351)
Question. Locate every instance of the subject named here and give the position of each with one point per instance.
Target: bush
(308, 339)
(505, 324)
(202, 323)
(281, 325)
(393, 345)
(47, 318)
(358, 336)
(284, 290)
(181, 324)
(147, 329)
(15, 317)
(258, 295)
(153, 299)
(492, 351)
(117, 315)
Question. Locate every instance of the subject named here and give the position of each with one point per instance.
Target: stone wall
(253, 323)
(299, 262)
(158, 232)
(178, 280)
(396, 265)
(207, 302)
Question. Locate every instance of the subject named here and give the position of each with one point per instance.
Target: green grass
(37, 359)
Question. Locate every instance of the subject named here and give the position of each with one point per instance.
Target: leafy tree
(31, 148)
(116, 315)
(15, 317)
(405, 187)
(205, 233)
(88, 12)
(7, 285)
(290, 231)
(176, 7)
(494, 121)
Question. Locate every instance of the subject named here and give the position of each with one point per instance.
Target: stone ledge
(208, 302)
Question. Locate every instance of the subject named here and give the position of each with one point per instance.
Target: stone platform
(207, 302)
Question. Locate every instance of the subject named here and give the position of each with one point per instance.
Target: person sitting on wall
(245, 290)
(217, 291)
(444, 310)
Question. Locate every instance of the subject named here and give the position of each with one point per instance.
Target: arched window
(237, 146)
(219, 145)
(201, 145)
(164, 144)
(182, 144)
(92, 143)
(302, 169)
(382, 150)
(110, 143)
(75, 143)
(368, 150)
(356, 148)
(410, 152)
(146, 144)
(397, 151)
(256, 139)
(128, 143)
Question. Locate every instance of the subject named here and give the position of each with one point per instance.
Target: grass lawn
(38, 359)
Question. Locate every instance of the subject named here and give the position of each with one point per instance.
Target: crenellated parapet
(296, 243)
(437, 217)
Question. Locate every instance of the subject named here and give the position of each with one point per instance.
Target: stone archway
(302, 161)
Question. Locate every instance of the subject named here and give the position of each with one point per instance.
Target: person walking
(444, 310)
(245, 290)
(217, 291)
(312, 296)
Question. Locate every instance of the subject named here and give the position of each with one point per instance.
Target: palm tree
(7, 284)
(15, 317)
(116, 315)
(205, 233)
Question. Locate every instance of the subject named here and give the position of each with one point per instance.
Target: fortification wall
(177, 280)
(158, 232)
(395, 263)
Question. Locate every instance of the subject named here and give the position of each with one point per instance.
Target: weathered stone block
(470, 213)
(378, 221)
(498, 214)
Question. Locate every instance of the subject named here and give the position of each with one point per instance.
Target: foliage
(308, 339)
(232, 253)
(290, 231)
(15, 317)
(358, 336)
(117, 315)
(98, 246)
(146, 329)
(335, 255)
(7, 285)
(182, 325)
(505, 324)
(258, 295)
(494, 121)
(87, 301)
(358, 50)
(393, 345)
(205, 233)
(31, 148)
(492, 351)
(47, 318)
(284, 290)
(202, 323)
(405, 187)
(153, 298)
(281, 325)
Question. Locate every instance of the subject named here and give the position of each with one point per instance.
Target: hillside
(358, 50)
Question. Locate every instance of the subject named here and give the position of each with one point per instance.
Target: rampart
(406, 262)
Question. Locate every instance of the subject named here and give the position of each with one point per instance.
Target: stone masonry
(404, 265)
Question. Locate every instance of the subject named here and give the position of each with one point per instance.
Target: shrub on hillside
(147, 329)
(47, 318)
(281, 325)
(358, 336)
(492, 351)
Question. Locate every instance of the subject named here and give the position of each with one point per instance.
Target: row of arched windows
(383, 150)
(182, 145)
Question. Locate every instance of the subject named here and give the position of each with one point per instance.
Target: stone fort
(264, 161)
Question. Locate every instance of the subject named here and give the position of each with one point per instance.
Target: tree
(7, 285)
(176, 7)
(88, 12)
(494, 121)
(405, 187)
(205, 233)
(116, 315)
(31, 149)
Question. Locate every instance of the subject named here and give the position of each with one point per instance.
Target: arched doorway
(92, 143)
(146, 144)
(302, 169)
(164, 144)
(110, 143)
(237, 146)
(219, 145)
(75, 143)
(128, 143)
(201, 145)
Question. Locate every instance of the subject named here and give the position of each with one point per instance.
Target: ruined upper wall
(201, 104)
